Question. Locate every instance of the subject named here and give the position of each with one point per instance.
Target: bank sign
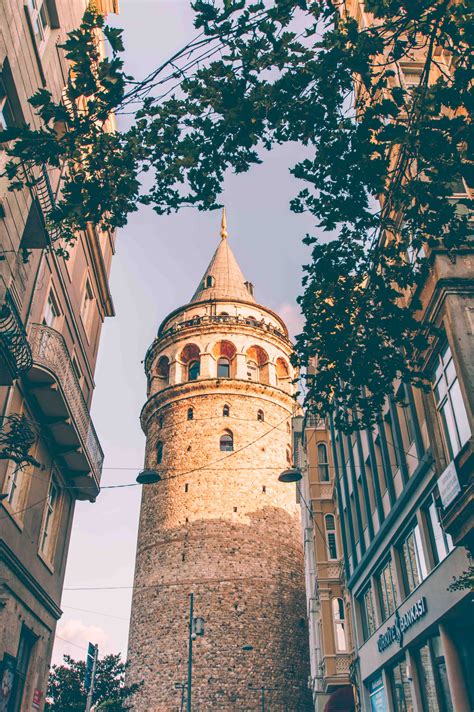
(395, 632)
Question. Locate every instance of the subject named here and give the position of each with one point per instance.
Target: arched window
(223, 367)
(227, 441)
(161, 420)
(163, 369)
(226, 411)
(159, 452)
(339, 616)
(260, 415)
(194, 369)
(323, 465)
(210, 281)
(190, 413)
(331, 542)
(252, 370)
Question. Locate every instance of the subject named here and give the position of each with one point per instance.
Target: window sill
(44, 560)
(11, 513)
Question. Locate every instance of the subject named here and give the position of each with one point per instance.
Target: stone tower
(220, 524)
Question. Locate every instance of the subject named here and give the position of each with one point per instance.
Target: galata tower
(219, 524)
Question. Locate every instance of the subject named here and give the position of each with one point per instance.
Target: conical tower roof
(223, 279)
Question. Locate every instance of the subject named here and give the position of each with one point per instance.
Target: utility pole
(196, 627)
(190, 653)
(91, 665)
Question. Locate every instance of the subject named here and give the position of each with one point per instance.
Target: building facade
(51, 315)
(328, 609)
(219, 524)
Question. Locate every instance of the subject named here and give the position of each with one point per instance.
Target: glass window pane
(459, 409)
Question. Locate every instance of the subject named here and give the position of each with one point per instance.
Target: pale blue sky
(157, 267)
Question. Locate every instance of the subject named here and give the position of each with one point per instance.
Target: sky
(157, 267)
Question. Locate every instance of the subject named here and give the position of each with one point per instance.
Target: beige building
(404, 493)
(51, 315)
(219, 524)
(328, 609)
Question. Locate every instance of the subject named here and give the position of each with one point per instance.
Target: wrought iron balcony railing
(16, 350)
(50, 353)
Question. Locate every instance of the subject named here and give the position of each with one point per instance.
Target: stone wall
(222, 526)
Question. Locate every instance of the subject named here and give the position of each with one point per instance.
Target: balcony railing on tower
(54, 384)
(15, 351)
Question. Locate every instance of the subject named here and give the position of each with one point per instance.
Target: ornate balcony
(15, 352)
(53, 383)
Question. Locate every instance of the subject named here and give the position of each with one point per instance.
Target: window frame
(339, 620)
(323, 465)
(51, 310)
(429, 508)
(48, 534)
(194, 370)
(226, 441)
(387, 589)
(413, 531)
(368, 619)
(190, 415)
(40, 22)
(223, 361)
(331, 536)
(159, 452)
(87, 305)
(442, 388)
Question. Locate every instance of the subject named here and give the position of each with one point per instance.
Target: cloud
(73, 637)
(291, 315)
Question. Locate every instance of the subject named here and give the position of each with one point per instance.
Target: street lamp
(293, 474)
(148, 477)
(262, 690)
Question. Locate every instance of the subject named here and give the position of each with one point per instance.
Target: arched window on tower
(190, 413)
(260, 415)
(323, 465)
(227, 441)
(331, 542)
(159, 452)
(223, 367)
(226, 411)
(339, 616)
(210, 281)
(194, 370)
(163, 369)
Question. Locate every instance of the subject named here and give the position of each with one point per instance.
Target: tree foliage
(382, 158)
(66, 692)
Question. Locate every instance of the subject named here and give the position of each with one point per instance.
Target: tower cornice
(216, 386)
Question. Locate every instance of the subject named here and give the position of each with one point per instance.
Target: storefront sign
(448, 485)
(377, 697)
(37, 697)
(402, 623)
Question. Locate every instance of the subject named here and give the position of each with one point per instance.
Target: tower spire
(224, 232)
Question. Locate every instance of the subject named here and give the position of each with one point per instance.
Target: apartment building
(51, 316)
(328, 605)
(404, 495)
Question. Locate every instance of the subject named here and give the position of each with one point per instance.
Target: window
(25, 646)
(413, 560)
(51, 311)
(260, 416)
(161, 420)
(227, 442)
(401, 690)
(441, 542)
(323, 466)
(39, 20)
(339, 624)
(159, 453)
(87, 305)
(13, 484)
(210, 281)
(223, 367)
(7, 118)
(367, 610)
(433, 676)
(387, 590)
(331, 543)
(163, 369)
(47, 533)
(252, 370)
(226, 411)
(194, 370)
(190, 413)
(449, 403)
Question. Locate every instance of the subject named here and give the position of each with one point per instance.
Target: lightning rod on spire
(224, 232)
